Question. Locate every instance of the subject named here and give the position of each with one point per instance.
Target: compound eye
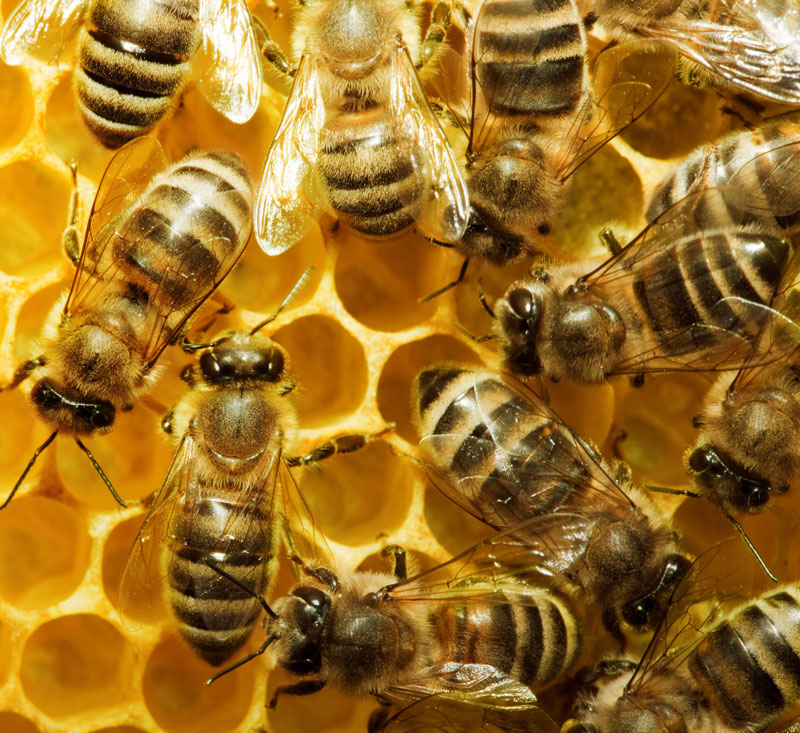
(700, 460)
(758, 496)
(521, 303)
(637, 613)
(312, 597)
(275, 366)
(209, 365)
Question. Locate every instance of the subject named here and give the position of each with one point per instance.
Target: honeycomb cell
(394, 386)
(13, 723)
(329, 367)
(44, 552)
(20, 435)
(135, 461)
(379, 282)
(120, 729)
(177, 698)
(34, 312)
(76, 664)
(115, 553)
(69, 137)
(5, 654)
(16, 101)
(454, 529)
(356, 496)
(34, 201)
(569, 402)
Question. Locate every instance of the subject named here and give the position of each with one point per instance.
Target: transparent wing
(751, 45)
(445, 214)
(289, 196)
(39, 28)
(122, 186)
(627, 80)
(230, 59)
(513, 458)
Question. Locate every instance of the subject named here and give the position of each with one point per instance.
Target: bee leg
(70, 239)
(609, 240)
(441, 19)
(398, 553)
(322, 575)
(23, 371)
(307, 687)
(347, 443)
(274, 56)
(166, 421)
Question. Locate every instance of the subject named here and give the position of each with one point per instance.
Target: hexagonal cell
(612, 185)
(356, 496)
(16, 101)
(394, 386)
(34, 312)
(34, 201)
(76, 664)
(454, 529)
(44, 552)
(5, 654)
(379, 282)
(13, 723)
(177, 698)
(115, 553)
(329, 366)
(135, 461)
(20, 434)
(587, 408)
(678, 122)
(120, 729)
(69, 137)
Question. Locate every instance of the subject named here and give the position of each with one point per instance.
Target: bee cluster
(508, 543)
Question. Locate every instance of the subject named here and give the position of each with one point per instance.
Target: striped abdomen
(532, 639)
(530, 59)
(507, 459)
(686, 284)
(748, 669)
(765, 185)
(371, 180)
(214, 615)
(133, 59)
(191, 226)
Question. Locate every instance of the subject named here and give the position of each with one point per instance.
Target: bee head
(71, 413)
(242, 358)
(724, 482)
(301, 619)
(518, 314)
(646, 612)
(484, 239)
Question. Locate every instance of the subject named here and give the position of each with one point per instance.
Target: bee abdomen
(193, 220)
(215, 615)
(370, 182)
(530, 638)
(749, 668)
(531, 57)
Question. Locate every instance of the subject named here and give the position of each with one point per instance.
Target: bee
(734, 674)
(136, 56)
(228, 495)
(496, 450)
(472, 631)
(750, 46)
(537, 115)
(358, 133)
(160, 239)
(691, 292)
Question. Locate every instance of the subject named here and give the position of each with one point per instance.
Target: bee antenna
(100, 472)
(482, 299)
(244, 660)
(299, 285)
(36, 454)
(217, 569)
(749, 544)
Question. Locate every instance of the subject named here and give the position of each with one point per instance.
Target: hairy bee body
(739, 678)
(505, 458)
(134, 58)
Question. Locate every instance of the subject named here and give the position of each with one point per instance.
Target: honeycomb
(357, 336)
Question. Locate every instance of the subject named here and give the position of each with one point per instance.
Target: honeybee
(537, 115)
(136, 56)
(496, 450)
(358, 133)
(160, 239)
(228, 496)
(691, 292)
(750, 46)
(472, 631)
(737, 674)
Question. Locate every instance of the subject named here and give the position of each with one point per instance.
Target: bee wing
(753, 46)
(423, 142)
(39, 28)
(232, 78)
(445, 713)
(141, 584)
(124, 181)
(552, 459)
(632, 76)
(289, 196)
